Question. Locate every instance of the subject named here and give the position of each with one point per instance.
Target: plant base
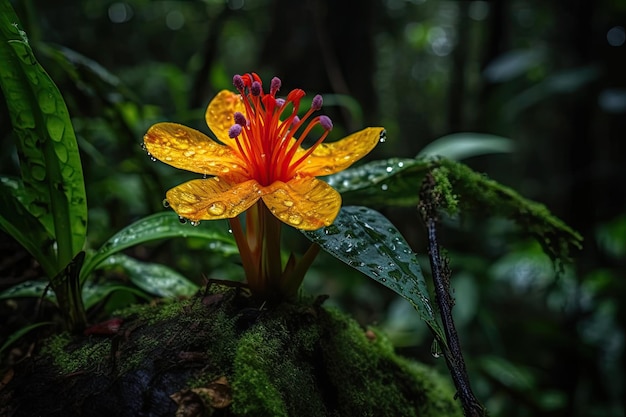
(221, 354)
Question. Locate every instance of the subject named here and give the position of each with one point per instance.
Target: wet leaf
(368, 242)
(18, 334)
(18, 222)
(95, 292)
(49, 159)
(390, 182)
(153, 278)
(160, 226)
(32, 288)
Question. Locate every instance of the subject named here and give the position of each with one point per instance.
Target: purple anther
(280, 102)
(238, 82)
(295, 121)
(234, 131)
(240, 119)
(255, 88)
(326, 122)
(317, 102)
(275, 85)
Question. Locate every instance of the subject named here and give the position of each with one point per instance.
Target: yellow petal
(212, 198)
(332, 157)
(304, 203)
(219, 115)
(188, 149)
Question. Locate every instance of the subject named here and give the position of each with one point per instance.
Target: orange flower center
(266, 141)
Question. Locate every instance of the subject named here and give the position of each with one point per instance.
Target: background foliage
(547, 75)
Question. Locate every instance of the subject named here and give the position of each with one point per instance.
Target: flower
(258, 156)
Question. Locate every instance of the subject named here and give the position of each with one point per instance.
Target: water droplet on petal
(195, 223)
(295, 219)
(182, 219)
(217, 208)
(152, 158)
(166, 203)
(288, 203)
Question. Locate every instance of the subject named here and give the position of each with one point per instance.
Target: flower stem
(259, 247)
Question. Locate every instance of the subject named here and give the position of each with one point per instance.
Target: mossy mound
(220, 354)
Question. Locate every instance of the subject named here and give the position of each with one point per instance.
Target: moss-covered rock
(221, 354)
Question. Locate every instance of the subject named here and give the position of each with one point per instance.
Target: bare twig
(430, 201)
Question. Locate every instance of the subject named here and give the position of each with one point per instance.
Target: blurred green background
(550, 75)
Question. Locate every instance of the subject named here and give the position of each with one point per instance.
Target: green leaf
(18, 222)
(157, 226)
(21, 332)
(389, 182)
(153, 278)
(465, 145)
(46, 144)
(93, 293)
(396, 182)
(367, 241)
(32, 288)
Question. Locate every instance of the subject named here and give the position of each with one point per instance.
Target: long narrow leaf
(367, 241)
(20, 333)
(49, 158)
(18, 222)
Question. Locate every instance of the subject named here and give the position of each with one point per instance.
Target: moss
(328, 367)
(290, 360)
(476, 191)
(371, 380)
(69, 357)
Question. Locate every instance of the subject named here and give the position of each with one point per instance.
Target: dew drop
(165, 203)
(435, 349)
(152, 158)
(383, 137)
(389, 169)
(55, 127)
(295, 219)
(180, 133)
(182, 219)
(189, 153)
(331, 230)
(288, 203)
(384, 187)
(217, 208)
(46, 101)
(25, 120)
(38, 172)
(195, 223)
